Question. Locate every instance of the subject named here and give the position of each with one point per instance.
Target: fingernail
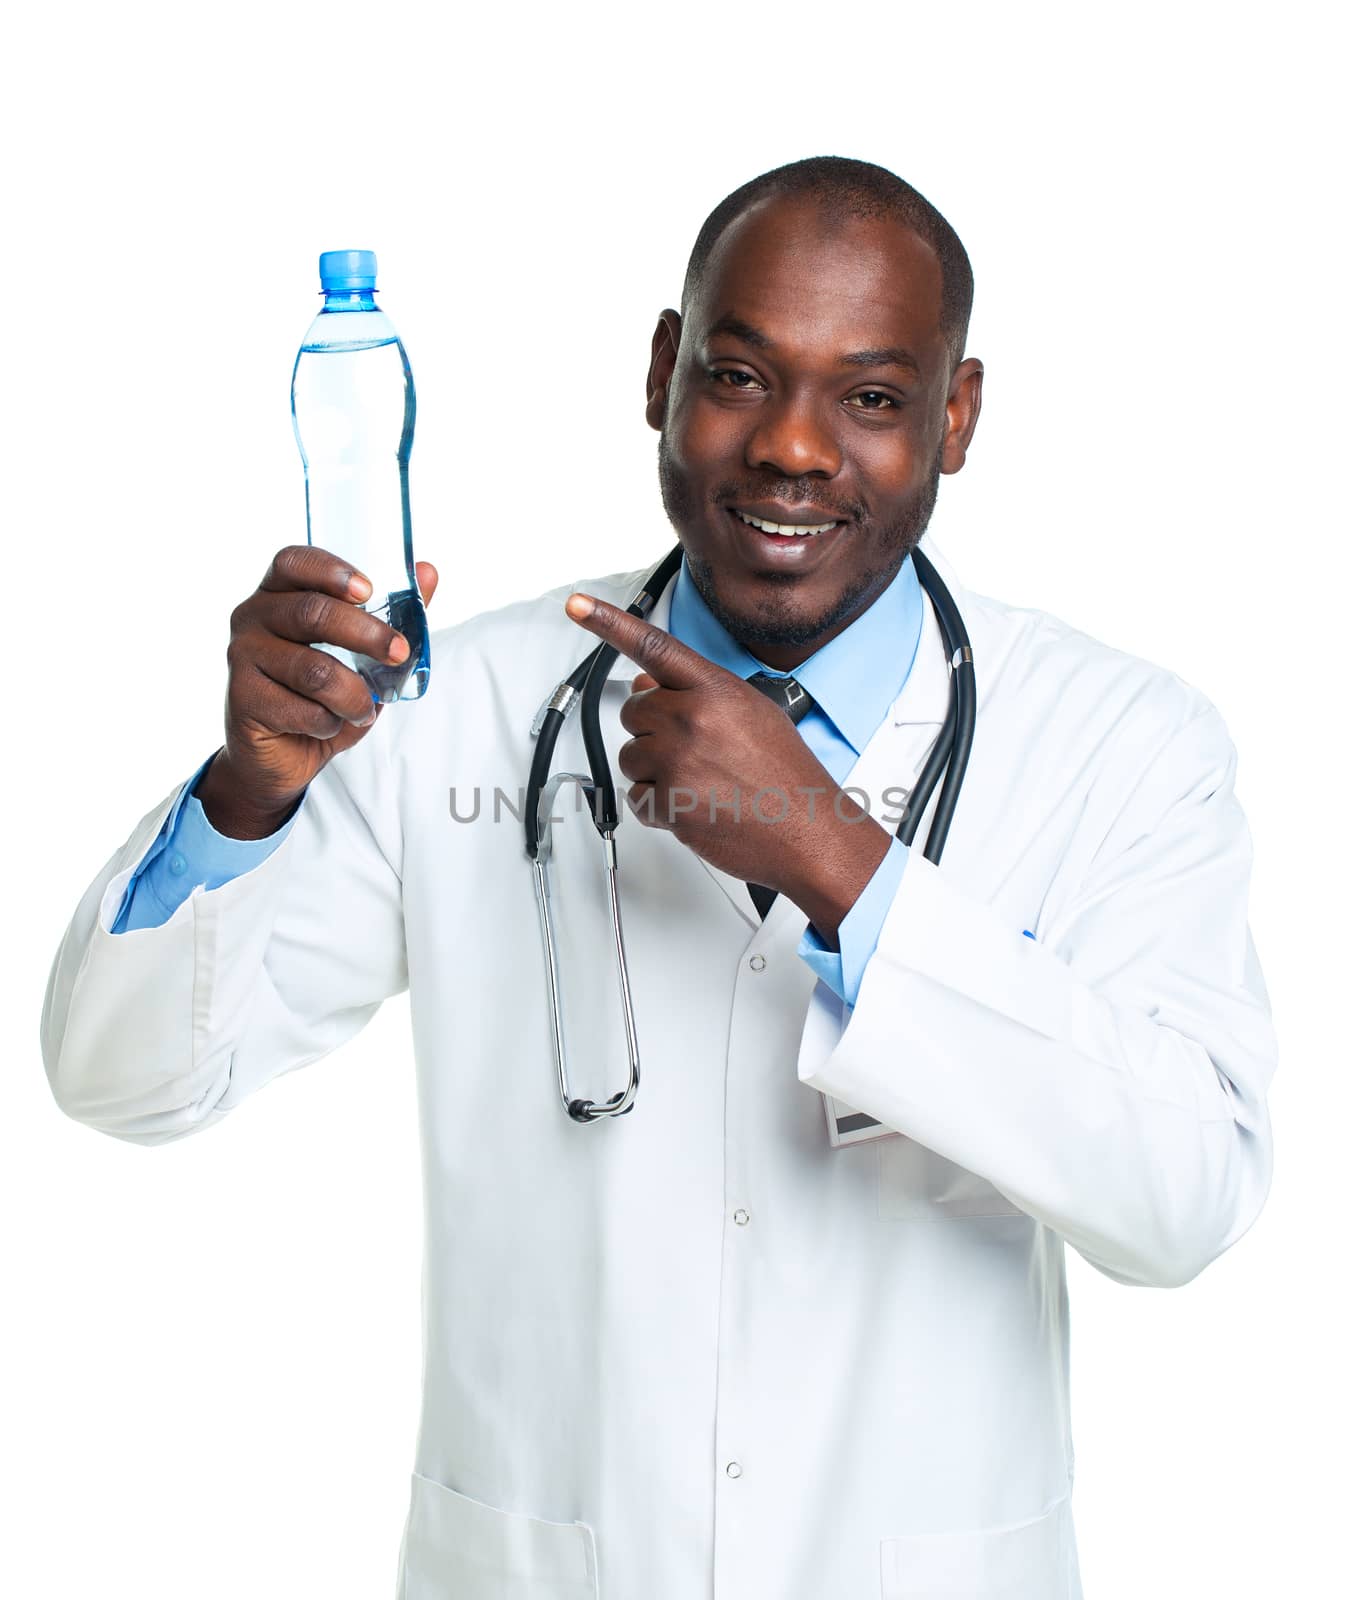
(359, 586)
(578, 606)
(398, 649)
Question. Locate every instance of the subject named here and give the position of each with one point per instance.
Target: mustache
(788, 492)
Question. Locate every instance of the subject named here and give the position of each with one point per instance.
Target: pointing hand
(723, 768)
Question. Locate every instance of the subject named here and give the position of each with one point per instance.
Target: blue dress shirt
(852, 680)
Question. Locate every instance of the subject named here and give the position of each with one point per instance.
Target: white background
(210, 1360)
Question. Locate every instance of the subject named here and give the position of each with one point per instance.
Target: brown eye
(730, 378)
(871, 397)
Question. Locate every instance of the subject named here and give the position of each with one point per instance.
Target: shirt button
(741, 1218)
(733, 1469)
(177, 864)
(757, 963)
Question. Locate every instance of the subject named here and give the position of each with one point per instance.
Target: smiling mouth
(785, 529)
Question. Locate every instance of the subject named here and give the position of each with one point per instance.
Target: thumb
(427, 580)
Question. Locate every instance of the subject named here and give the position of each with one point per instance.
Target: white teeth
(783, 527)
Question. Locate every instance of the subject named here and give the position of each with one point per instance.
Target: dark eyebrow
(743, 331)
(891, 356)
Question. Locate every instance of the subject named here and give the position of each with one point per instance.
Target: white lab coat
(695, 1350)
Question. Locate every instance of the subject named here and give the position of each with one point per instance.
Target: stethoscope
(585, 683)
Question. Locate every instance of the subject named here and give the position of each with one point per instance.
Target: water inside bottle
(354, 405)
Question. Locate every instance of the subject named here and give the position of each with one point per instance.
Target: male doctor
(698, 1349)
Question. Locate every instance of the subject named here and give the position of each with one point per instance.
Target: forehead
(819, 286)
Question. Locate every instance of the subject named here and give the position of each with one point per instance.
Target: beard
(777, 622)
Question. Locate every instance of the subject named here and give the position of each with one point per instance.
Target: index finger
(307, 566)
(664, 658)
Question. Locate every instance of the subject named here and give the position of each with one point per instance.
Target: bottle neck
(349, 300)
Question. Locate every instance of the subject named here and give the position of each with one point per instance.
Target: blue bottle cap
(347, 269)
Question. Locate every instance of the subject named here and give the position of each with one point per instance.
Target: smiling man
(809, 395)
(793, 1324)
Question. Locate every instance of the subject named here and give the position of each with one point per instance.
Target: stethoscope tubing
(587, 679)
(953, 746)
(949, 757)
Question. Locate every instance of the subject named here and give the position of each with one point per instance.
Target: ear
(963, 408)
(665, 344)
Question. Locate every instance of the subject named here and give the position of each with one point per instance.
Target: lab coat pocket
(1029, 1561)
(455, 1548)
(913, 1183)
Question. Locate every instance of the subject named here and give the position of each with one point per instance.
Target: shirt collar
(853, 678)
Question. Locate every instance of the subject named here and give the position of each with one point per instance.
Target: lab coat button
(741, 1218)
(757, 963)
(733, 1469)
(177, 864)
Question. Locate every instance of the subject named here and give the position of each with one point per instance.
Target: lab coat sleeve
(159, 1032)
(1110, 1078)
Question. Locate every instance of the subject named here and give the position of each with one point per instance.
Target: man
(699, 1348)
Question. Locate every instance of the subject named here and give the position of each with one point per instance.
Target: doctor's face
(810, 386)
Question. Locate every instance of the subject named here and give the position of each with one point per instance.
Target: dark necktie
(789, 695)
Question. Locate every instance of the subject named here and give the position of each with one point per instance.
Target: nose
(792, 437)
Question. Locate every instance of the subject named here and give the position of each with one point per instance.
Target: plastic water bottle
(353, 405)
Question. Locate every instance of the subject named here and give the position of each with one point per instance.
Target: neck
(787, 656)
(349, 300)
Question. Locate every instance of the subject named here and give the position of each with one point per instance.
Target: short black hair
(846, 188)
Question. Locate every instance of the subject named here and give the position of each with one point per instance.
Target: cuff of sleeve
(213, 858)
(843, 971)
(121, 922)
(186, 852)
